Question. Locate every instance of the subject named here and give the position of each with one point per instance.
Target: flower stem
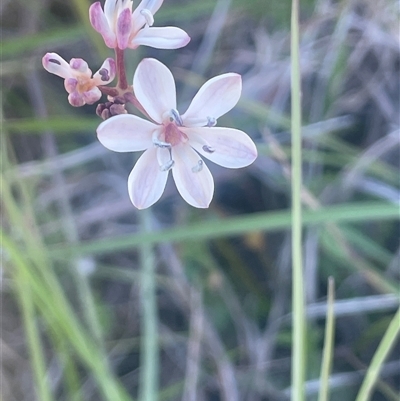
(131, 98)
(106, 90)
(149, 339)
(121, 72)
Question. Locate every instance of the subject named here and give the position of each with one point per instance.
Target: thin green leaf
(378, 359)
(43, 40)
(329, 343)
(298, 301)
(268, 221)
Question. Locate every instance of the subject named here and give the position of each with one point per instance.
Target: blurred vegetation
(72, 242)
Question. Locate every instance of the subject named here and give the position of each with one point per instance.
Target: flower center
(85, 84)
(170, 135)
(173, 135)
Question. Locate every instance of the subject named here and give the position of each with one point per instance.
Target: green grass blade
(267, 221)
(32, 334)
(378, 359)
(329, 343)
(59, 125)
(299, 320)
(42, 40)
(149, 339)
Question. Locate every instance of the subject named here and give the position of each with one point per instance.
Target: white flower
(78, 81)
(174, 142)
(122, 28)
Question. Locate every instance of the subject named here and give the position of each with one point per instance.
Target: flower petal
(111, 11)
(101, 24)
(146, 182)
(126, 133)
(124, 28)
(106, 73)
(154, 87)
(70, 84)
(215, 98)
(55, 64)
(161, 38)
(227, 147)
(192, 177)
(91, 96)
(76, 99)
(81, 66)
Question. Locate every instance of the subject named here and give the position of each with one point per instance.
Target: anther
(167, 166)
(148, 16)
(198, 167)
(52, 60)
(176, 117)
(208, 149)
(105, 76)
(160, 144)
(211, 121)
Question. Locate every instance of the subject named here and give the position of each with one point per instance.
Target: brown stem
(131, 98)
(120, 65)
(106, 90)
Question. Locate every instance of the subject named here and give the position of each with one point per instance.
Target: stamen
(158, 143)
(52, 60)
(167, 166)
(208, 149)
(148, 16)
(198, 167)
(176, 117)
(105, 76)
(211, 121)
(161, 144)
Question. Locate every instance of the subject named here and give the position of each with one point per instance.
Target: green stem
(149, 340)
(329, 343)
(33, 339)
(381, 353)
(299, 325)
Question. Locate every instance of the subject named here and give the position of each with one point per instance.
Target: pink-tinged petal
(227, 147)
(138, 20)
(101, 25)
(124, 28)
(146, 182)
(154, 87)
(92, 96)
(126, 133)
(55, 64)
(106, 73)
(192, 177)
(76, 99)
(161, 38)
(215, 98)
(80, 65)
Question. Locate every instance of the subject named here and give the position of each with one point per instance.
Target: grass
(102, 302)
(299, 361)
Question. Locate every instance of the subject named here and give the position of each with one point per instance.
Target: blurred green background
(73, 245)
